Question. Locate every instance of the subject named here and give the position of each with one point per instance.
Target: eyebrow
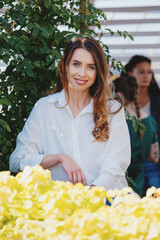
(144, 69)
(80, 62)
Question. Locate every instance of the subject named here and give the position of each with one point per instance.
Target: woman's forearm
(72, 169)
(50, 160)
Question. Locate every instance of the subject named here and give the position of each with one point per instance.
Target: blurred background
(142, 20)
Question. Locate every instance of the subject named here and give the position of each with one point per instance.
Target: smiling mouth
(80, 81)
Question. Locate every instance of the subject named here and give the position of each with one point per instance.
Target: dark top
(152, 169)
(155, 111)
(140, 149)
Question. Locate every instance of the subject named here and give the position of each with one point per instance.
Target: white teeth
(80, 81)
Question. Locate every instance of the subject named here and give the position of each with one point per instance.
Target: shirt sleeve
(29, 150)
(118, 156)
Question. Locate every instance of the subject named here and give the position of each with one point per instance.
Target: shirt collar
(61, 100)
(57, 97)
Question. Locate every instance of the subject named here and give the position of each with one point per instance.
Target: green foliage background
(31, 43)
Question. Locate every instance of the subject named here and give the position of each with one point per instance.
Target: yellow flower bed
(32, 206)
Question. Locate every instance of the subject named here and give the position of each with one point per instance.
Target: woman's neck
(143, 96)
(77, 101)
(130, 107)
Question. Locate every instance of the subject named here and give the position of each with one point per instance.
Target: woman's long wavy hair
(153, 88)
(100, 91)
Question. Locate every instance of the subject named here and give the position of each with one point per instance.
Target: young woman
(145, 145)
(139, 66)
(79, 132)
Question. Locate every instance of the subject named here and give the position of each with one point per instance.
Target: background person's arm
(154, 153)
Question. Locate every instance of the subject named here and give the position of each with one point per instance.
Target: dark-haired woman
(79, 132)
(139, 66)
(142, 145)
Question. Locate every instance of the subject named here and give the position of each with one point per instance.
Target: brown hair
(129, 88)
(153, 88)
(100, 91)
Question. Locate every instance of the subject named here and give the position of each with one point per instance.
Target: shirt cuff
(32, 161)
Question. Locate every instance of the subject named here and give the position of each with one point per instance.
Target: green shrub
(32, 40)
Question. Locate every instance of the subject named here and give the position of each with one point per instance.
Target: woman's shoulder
(149, 120)
(146, 117)
(155, 100)
(152, 120)
(143, 114)
(49, 99)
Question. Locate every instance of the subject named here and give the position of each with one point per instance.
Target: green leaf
(1, 5)
(57, 54)
(129, 180)
(4, 150)
(49, 58)
(135, 123)
(8, 143)
(36, 16)
(44, 50)
(54, 65)
(29, 72)
(119, 32)
(4, 38)
(142, 128)
(37, 25)
(12, 41)
(19, 67)
(130, 36)
(5, 102)
(30, 26)
(128, 116)
(5, 125)
(44, 32)
(35, 32)
(21, 19)
(47, 3)
(124, 35)
(23, 48)
(5, 59)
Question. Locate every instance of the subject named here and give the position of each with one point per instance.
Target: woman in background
(145, 145)
(149, 101)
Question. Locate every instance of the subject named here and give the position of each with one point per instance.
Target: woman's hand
(154, 153)
(72, 169)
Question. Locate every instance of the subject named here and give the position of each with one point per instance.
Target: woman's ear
(121, 96)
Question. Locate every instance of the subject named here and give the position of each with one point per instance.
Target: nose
(147, 75)
(82, 71)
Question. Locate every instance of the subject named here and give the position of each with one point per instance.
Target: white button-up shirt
(51, 129)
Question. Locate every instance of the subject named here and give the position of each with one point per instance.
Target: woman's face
(143, 74)
(81, 71)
